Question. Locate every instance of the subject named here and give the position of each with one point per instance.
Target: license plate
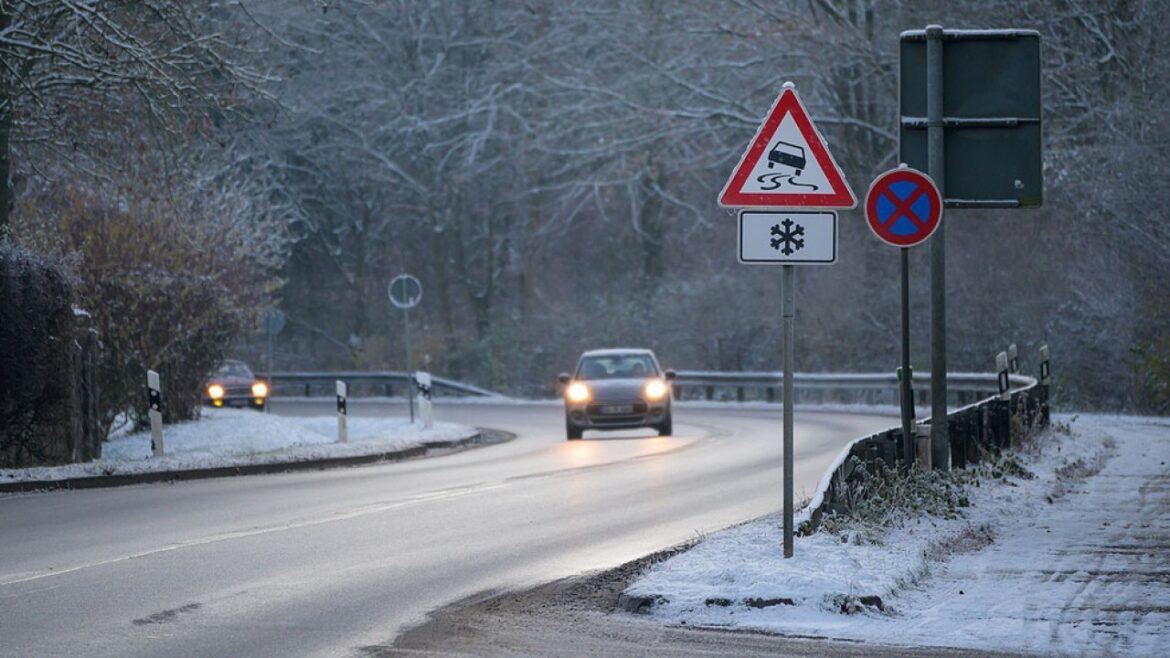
(618, 409)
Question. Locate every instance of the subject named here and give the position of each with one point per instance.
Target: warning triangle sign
(787, 165)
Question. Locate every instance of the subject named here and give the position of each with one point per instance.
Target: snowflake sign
(788, 237)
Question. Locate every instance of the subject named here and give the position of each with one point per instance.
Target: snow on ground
(1070, 562)
(236, 437)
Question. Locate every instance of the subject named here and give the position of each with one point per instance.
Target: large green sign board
(991, 115)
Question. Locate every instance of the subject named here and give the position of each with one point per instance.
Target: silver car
(617, 389)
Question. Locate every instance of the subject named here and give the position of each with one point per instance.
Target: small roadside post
(787, 185)
(1002, 420)
(903, 208)
(405, 293)
(154, 397)
(342, 413)
(1013, 355)
(1045, 380)
(1001, 369)
(425, 409)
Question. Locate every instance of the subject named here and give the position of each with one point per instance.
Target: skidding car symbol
(787, 154)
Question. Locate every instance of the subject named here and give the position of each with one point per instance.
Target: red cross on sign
(903, 207)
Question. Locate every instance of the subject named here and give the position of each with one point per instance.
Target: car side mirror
(670, 374)
(563, 378)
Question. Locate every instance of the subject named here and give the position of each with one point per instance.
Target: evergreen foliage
(37, 359)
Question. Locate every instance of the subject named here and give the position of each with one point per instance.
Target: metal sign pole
(906, 374)
(271, 369)
(409, 365)
(939, 439)
(789, 332)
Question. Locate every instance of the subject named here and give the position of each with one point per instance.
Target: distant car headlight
(578, 392)
(259, 390)
(215, 392)
(656, 389)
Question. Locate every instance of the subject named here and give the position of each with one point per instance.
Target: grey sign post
(791, 184)
(273, 324)
(788, 238)
(405, 293)
(970, 107)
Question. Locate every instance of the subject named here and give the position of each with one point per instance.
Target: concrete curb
(481, 438)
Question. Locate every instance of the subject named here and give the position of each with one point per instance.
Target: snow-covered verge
(1072, 561)
(235, 437)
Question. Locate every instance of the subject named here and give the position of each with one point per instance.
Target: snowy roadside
(226, 438)
(1071, 560)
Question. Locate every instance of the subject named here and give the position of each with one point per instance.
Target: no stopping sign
(903, 207)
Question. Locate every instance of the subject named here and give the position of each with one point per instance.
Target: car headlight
(259, 389)
(656, 389)
(578, 392)
(215, 391)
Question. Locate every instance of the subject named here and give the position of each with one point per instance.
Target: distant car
(234, 385)
(617, 389)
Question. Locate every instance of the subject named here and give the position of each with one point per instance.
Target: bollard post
(923, 446)
(154, 387)
(425, 410)
(1013, 356)
(342, 412)
(1044, 392)
(1001, 368)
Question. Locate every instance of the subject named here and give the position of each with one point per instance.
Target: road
(325, 563)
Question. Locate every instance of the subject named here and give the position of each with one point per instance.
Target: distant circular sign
(273, 321)
(903, 207)
(405, 291)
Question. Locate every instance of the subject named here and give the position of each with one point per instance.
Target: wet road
(325, 563)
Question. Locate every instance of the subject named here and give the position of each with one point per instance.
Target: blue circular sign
(903, 207)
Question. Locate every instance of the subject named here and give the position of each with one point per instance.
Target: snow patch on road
(235, 437)
(1073, 561)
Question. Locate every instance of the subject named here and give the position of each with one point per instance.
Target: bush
(172, 280)
(37, 360)
(889, 499)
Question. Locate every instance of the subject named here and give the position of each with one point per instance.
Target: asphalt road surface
(332, 562)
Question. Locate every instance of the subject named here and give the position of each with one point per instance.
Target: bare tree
(61, 59)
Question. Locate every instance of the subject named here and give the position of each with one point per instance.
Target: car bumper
(614, 415)
(235, 402)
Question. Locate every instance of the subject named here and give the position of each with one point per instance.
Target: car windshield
(616, 366)
(235, 369)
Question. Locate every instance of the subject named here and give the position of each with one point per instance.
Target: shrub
(172, 279)
(889, 499)
(37, 360)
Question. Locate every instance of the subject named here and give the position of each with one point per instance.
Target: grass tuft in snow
(971, 539)
(877, 503)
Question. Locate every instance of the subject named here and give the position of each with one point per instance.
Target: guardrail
(864, 388)
(382, 382)
(861, 388)
(976, 430)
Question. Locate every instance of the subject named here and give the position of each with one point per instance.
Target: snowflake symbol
(788, 237)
